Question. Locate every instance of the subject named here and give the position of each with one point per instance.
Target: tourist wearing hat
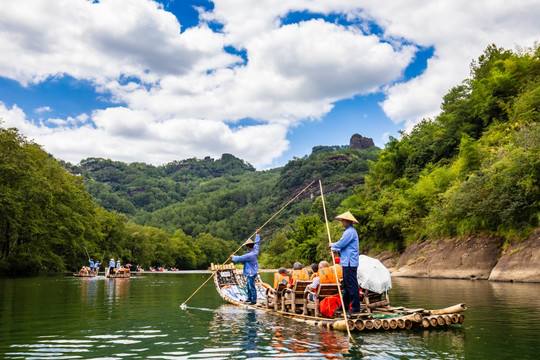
(348, 248)
(251, 266)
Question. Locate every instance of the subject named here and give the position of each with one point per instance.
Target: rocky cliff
(474, 257)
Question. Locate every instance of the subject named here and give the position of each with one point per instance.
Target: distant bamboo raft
(378, 316)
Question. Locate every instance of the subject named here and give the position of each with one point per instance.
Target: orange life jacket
(327, 275)
(280, 278)
(300, 274)
(339, 271)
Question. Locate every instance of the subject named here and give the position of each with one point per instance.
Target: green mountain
(475, 168)
(223, 197)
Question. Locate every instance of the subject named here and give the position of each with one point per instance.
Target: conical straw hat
(347, 216)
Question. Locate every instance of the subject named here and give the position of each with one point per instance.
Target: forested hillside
(185, 214)
(224, 197)
(475, 168)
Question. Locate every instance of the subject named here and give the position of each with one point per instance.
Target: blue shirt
(91, 263)
(111, 263)
(348, 247)
(251, 266)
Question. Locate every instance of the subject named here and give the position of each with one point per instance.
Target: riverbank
(473, 257)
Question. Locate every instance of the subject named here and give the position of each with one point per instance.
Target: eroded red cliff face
(474, 257)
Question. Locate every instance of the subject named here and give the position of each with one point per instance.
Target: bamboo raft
(86, 272)
(377, 315)
(122, 273)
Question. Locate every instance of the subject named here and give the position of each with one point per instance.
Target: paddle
(334, 262)
(184, 306)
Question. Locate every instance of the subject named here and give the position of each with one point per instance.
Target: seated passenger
(314, 270)
(298, 273)
(325, 275)
(281, 277)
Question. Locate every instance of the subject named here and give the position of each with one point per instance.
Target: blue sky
(154, 82)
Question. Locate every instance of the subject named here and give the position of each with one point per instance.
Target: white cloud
(190, 90)
(459, 31)
(43, 109)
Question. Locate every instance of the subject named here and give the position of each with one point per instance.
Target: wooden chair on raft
(372, 300)
(323, 291)
(293, 298)
(274, 296)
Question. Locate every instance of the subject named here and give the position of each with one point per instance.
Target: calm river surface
(59, 317)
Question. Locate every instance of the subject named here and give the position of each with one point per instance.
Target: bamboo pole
(184, 306)
(334, 262)
(449, 310)
(87, 252)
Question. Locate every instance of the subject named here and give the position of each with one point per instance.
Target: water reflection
(55, 318)
(89, 288)
(263, 334)
(117, 290)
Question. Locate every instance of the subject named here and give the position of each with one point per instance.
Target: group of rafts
(376, 312)
(86, 271)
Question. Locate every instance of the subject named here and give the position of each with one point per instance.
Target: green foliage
(303, 238)
(474, 168)
(46, 217)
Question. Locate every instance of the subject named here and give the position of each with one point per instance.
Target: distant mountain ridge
(148, 194)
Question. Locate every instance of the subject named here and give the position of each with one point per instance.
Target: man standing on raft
(348, 248)
(251, 266)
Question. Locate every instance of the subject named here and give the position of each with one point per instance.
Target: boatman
(251, 266)
(348, 248)
(91, 265)
(111, 267)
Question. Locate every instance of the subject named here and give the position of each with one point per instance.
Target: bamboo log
(377, 323)
(440, 321)
(432, 321)
(385, 324)
(351, 324)
(425, 322)
(401, 323)
(416, 317)
(461, 319)
(340, 325)
(455, 318)
(393, 324)
(447, 319)
(408, 324)
(369, 324)
(449, 310)
(359, 325)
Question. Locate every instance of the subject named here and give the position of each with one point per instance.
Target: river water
(59, 317)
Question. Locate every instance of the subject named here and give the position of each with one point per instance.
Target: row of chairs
(296, 300)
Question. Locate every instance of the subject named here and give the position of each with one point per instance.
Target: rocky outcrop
(519, 262)
(469, 258)
(360, 142)
(474, 257)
